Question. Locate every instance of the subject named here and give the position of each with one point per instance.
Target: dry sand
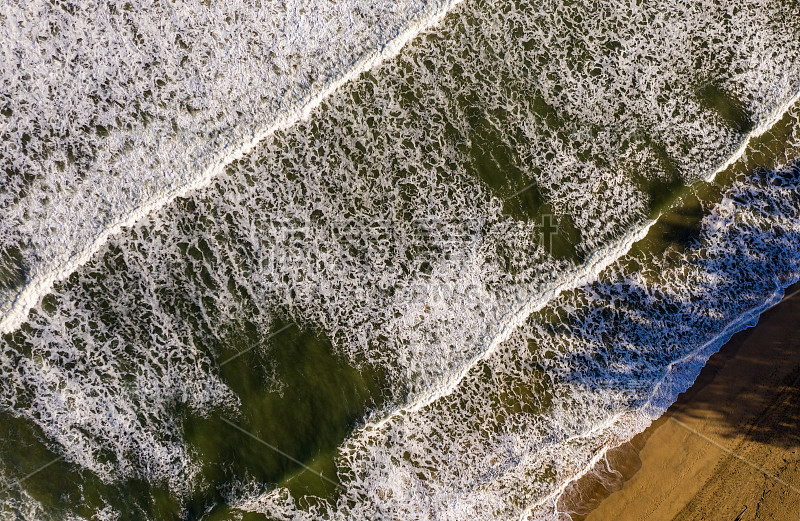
(728, 449)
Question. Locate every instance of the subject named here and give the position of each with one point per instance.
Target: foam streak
(42, 284)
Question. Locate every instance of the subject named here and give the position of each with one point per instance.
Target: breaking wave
(473, 211)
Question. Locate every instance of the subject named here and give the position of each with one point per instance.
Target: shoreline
(728, 448)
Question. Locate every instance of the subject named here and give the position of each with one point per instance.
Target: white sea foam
(679, 376)
(729, 243)
(21, 507)
(194, 163)
(560, 392)
(378, 220)
(764, 125)
(18, 504)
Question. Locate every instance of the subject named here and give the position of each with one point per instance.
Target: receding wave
(465, 230)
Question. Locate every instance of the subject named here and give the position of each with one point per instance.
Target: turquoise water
(385, 261)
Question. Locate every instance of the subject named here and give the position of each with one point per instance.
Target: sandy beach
(728, 449)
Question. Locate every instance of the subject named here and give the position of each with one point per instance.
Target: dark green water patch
(679, 225)
(499, 166)
(714, 97)
(299, 400)
(62, 488)
(13, 271)
(680, 228)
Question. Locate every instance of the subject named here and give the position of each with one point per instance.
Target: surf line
(652, 409)
(629, 424)
(41, 285)
(762, 128)
(586, 274)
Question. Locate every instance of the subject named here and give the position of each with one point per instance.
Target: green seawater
(322, 398)
(298, 397)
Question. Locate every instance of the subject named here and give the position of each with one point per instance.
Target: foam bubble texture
(582, 375)
(381, 221)
(113, 109)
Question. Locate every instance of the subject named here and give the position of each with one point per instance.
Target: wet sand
(728, 449)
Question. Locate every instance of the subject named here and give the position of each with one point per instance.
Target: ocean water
(348, 260)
